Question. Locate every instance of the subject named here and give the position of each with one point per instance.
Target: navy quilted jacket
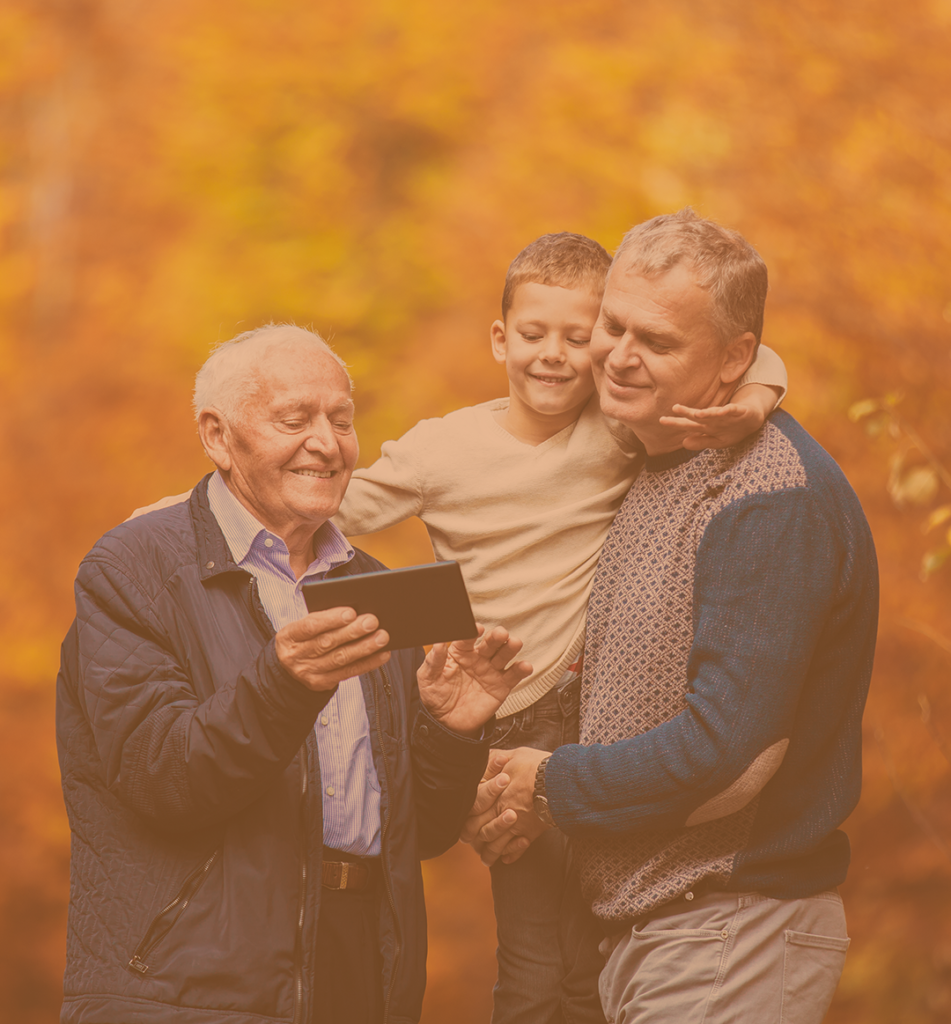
(191, 780)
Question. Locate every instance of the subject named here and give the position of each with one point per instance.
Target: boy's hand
(725, 425)
(462, 684)
(175, 499)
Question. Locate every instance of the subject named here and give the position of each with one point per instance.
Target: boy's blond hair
(564, 260)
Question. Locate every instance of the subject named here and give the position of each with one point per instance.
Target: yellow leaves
(916, 485)
(865, 407)
(937, 518)
(915, 474)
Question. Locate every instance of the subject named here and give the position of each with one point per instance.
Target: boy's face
(543, 343)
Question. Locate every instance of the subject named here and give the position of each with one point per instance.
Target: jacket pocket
(163, 922)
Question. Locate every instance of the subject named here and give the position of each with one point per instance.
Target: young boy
(521, 492)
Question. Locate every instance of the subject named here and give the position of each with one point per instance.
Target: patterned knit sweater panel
(641, 660)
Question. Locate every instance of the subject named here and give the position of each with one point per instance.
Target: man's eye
(343, 425)
(293, 424)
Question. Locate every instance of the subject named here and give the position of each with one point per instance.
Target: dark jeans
(548, 939)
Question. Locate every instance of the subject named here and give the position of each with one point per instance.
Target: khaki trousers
(740, 958)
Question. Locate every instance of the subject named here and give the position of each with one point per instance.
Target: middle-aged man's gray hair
(724, 262)
(230, 375)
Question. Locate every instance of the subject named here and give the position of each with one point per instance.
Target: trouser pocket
(812, 966)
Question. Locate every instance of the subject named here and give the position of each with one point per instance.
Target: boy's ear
(738, 357)
(497, 337)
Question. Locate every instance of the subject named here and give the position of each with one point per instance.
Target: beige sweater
(526, 523)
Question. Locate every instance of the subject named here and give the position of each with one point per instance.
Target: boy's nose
(552, 351)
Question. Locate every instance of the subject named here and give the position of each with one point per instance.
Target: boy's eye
(530, 337)
(580, 342)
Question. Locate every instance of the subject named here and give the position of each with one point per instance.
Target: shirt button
(330, 791)
(688, 896)
(268, 543)
(324, 719)
(725, 934)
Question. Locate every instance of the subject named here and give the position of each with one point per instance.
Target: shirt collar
(241, 529)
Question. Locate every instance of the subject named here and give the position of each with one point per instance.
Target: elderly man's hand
(324, 648)
(502, 823)
(462, 684)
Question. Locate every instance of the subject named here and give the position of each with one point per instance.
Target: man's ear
(738, 357)
(497, 337)
(215, 438)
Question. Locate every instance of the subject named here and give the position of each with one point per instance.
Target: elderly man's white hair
(231, 374)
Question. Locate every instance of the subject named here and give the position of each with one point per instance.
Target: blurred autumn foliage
(173, 173)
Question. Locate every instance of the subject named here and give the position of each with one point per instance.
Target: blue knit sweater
(730, 638)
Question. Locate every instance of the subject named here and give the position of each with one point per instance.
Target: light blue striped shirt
(351, 797)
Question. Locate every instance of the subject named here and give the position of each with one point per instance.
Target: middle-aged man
(731, 630)
(250, 788)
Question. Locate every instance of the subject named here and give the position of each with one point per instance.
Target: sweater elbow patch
(741, 792)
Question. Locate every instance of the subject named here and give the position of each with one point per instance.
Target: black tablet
(424, 604)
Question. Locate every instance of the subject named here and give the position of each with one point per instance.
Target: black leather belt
(345, 871)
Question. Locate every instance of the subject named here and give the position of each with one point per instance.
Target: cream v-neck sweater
(526, 523)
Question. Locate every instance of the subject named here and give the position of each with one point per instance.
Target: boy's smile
(543, 343)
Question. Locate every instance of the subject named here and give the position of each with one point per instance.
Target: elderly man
(250, 788)
(731, 630)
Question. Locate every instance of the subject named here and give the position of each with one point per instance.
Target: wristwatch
(539, 799)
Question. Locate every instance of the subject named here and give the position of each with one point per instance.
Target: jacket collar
(214, 558)
(214, 555)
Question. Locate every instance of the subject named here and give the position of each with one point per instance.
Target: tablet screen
(423, 604)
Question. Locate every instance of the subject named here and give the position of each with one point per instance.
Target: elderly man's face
(654, 346)
(292, 452)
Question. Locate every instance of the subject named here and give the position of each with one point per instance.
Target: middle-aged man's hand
(502, 823)
(463, 683)
(324, 648)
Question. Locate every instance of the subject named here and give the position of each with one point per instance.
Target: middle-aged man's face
(293, 450)
(654, 346)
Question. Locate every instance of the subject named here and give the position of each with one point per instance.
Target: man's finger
(515, 849)
(490, 850)
(514, 674)
(505, 653)
(682, 423)
(436, 661)
(715, 412)
(498, 759)
(488, 793)
(315, 623)
(472, 830)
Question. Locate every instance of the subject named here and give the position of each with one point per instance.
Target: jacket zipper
(299, 949)
(181, 901)
(299, 959)
(397, 951)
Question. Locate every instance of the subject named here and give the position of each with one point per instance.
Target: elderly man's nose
(320, 438)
